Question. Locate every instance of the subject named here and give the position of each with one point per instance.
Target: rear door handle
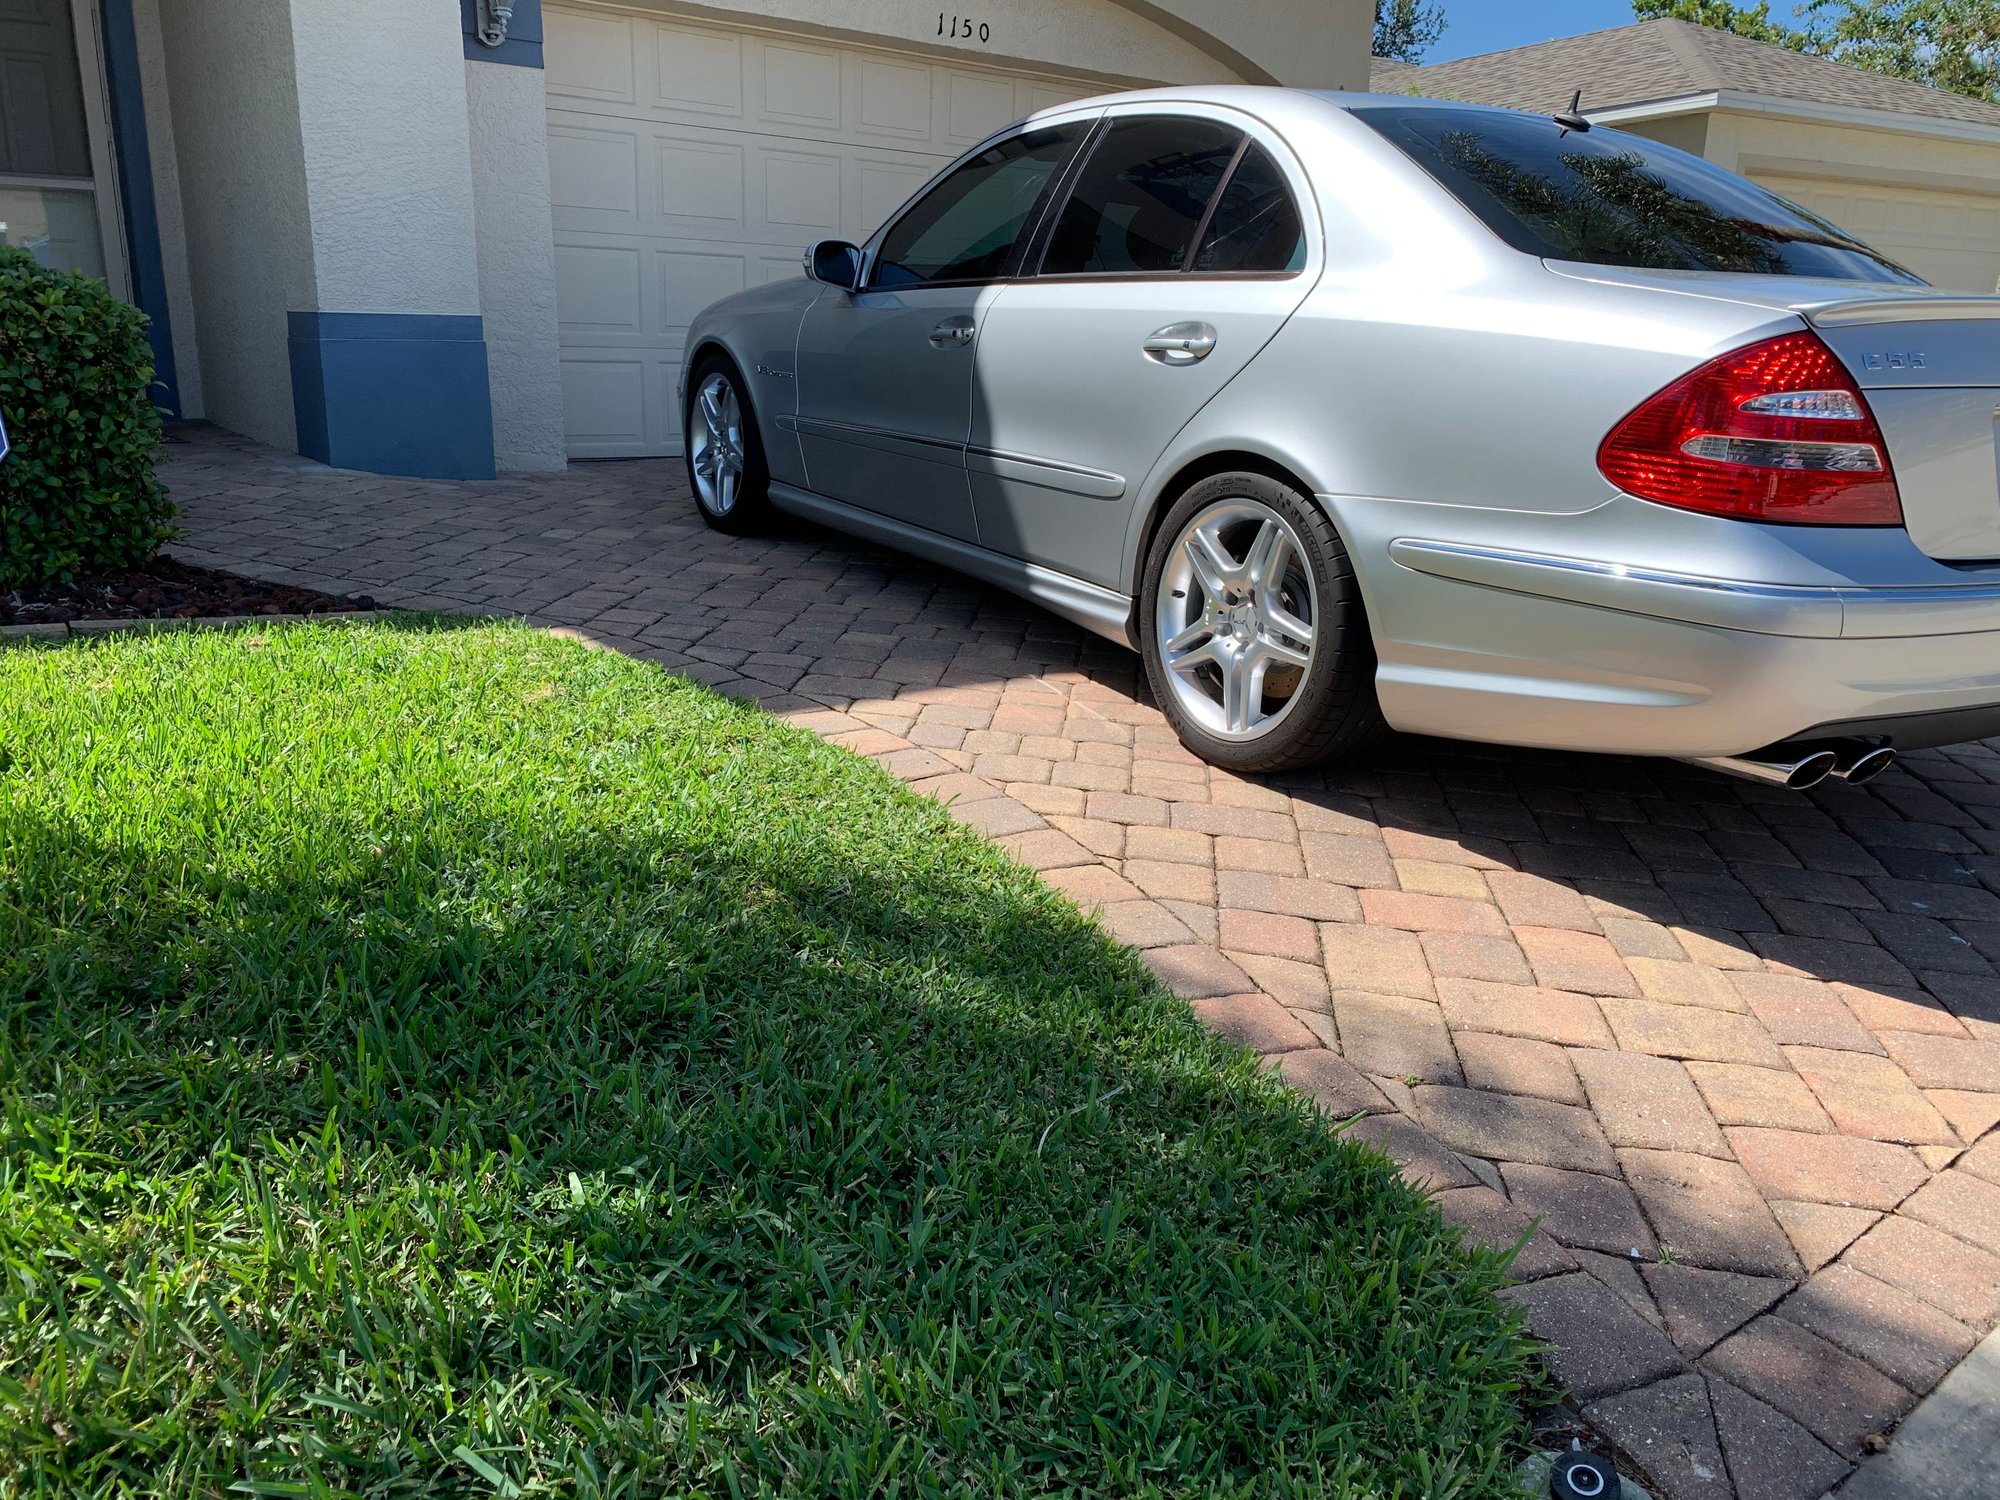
(953, 333)
(1181, 343)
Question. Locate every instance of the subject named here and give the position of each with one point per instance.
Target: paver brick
(1880, 1009)
(1820, 1231)
(1395, 1036)
(1487, 1219)
(1297, 986)
(1770, 1456)
(1623, 1349)
(1536, 900)
(1581, 1209)
(1647, 1101)
(1905, 1338)
(1668, 1429)
(1827, 1168)
(1385, 960)
(1465, 955)
(1945, 1062)
(1954, 1277)
(1255, 1021)
(1524, 1011)
(1415, 912)
(1279, 936)
(1675, 982)
(1315, 899)
(1962, 1204)
(1737, 1094)
(1870, 1096)
(1839, 1399)
(1515, 1127)
(1331, 1081)
(1423, 1161)
(1687, 1031)
(1196, 971)
(1702, 1308)
(1517, 1065)
(1166, 880)
(1708, 1212)
(1143, 924)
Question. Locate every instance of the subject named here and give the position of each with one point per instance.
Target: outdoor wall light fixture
(494, 18)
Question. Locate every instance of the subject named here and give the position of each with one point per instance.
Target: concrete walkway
(1737, 1048)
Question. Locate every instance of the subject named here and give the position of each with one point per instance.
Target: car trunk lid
(1930, 368)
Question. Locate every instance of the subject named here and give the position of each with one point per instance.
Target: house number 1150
(964, 28)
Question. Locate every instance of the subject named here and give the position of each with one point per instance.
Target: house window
(54, 147)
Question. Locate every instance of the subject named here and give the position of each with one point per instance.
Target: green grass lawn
(447, 1061)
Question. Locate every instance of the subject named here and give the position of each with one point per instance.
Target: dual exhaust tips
(1852, 761)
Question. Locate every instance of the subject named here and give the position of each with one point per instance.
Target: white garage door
(688, 161)
(1952, 240)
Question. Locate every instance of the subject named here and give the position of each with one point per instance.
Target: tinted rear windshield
(1611, 199)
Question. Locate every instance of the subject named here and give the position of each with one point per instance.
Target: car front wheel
(725, 457)
(1253, 631)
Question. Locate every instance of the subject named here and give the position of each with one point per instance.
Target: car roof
(1275, 104)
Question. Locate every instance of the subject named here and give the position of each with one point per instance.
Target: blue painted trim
(393, 393)
(523, 47)
(135, 194)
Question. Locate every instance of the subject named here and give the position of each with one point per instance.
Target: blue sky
(1489, 25)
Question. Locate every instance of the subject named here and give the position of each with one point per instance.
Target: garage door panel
(688, 161)
(590, 57)
(689, 280)
(594, 173)
(598, 291)
(1950, 239)
(604, 402)
(801, 86)
(697, 71)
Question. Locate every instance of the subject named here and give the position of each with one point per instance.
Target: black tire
(749, 513)
(1334, 713)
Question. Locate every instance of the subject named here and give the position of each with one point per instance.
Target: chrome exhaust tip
(1863, 763)
(1795, 772)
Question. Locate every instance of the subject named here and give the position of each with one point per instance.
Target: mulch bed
(167, 590)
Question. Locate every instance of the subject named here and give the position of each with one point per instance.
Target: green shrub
(77, 493)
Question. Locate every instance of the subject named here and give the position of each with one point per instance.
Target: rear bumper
(1480, 641)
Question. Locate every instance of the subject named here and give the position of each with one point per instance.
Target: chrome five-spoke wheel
(715, 447)
(1236, 616)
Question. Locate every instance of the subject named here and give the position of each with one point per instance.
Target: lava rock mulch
(168, 590)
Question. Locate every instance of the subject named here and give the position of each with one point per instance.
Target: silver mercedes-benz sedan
(1353, 412)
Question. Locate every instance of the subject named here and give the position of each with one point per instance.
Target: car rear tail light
(1776, 431)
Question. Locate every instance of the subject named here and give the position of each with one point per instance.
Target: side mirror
(835, 262)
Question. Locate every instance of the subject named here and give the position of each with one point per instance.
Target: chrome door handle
(953, 333)
(1181, 343)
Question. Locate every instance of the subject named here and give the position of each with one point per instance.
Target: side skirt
(1098, 610)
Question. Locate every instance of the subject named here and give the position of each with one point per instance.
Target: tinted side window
(1611, 199)
(1255, 226)
(967, 227)
(1139, 200)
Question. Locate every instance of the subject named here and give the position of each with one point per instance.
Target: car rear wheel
(1253, 631)
(725, 456)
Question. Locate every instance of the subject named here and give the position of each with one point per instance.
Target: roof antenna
(1572, 118)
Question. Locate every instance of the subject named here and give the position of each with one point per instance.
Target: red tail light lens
(1777, 431)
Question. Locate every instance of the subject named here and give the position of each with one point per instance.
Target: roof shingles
(1652, 61)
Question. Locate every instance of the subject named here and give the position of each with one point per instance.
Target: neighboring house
(1912, 170)
(363, 233)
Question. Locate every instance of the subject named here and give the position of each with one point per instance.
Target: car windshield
(1611, 199)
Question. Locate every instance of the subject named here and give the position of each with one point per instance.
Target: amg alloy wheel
(1252, 628)
(724, 456)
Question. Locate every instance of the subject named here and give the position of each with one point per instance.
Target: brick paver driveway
(1738, 1048)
